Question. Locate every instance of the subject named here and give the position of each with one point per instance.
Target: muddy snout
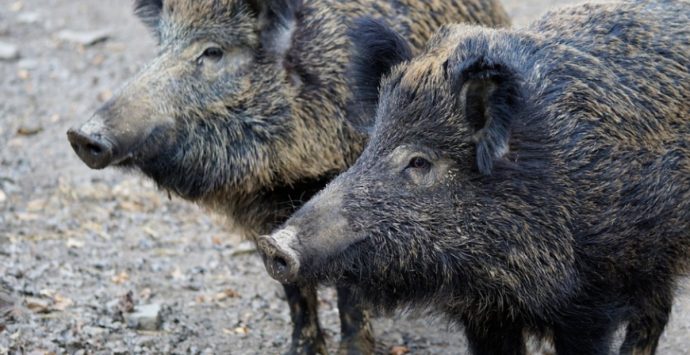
(91, 147)
(281, 261)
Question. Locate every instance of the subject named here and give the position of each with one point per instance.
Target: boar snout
(91, 145)
(280, 259)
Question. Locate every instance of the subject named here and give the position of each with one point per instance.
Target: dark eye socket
(211, 53)
(419, 163)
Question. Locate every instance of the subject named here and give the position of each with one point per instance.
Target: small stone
(23, 74)
(120, 351)
(8, 51)
(3, 196)
(74, 243)
(28, 18)
(28, 64)
(104, 95)
(145, 317)
(92, 331)
(84, 38)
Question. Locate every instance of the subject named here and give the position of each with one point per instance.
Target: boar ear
(489, 96)
(149, 11)
(277, 21)
(377, 49)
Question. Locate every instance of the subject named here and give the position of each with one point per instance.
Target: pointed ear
(149, 12)
(377, 49)
(277, 22)
(489, 95)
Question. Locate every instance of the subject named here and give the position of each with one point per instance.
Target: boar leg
(645, 328)
(588, 334)
(355, 328)
(307, 337)
(495, 336)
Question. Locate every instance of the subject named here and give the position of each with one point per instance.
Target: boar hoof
(363, 344)
(308, 347)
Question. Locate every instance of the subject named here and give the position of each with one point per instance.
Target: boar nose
(92, 149)
(281, 261)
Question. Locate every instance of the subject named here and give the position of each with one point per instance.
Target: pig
(532, 181)
(249, 109)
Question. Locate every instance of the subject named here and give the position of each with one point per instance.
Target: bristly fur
(377, 49)
(247, 110)
(149, 12)
(491, 96)
(555, 197)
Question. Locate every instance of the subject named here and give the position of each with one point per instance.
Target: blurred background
(101, 261)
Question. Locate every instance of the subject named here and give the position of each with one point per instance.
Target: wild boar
(249, 109)
(519, 181)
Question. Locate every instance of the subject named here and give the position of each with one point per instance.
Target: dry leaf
(98, 59)
(200, 299)
(145, 294)
(241, 330)
(229, 293)
(152, 233)
(38, 305)
(120, 278)
(62, 303)
(177, 274)
(399, 350)
(27, 131)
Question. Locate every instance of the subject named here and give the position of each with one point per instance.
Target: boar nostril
(280, 264)
(94, 149)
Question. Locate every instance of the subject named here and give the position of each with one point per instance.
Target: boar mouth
(345, 266)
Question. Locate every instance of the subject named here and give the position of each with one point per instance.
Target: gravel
(100, 262)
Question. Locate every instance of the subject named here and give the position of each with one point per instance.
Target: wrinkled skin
(519, 181)
(248, 109)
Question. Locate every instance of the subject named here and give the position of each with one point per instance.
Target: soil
(101, 261)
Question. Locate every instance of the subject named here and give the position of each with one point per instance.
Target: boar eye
(419, 163)
(211, 53)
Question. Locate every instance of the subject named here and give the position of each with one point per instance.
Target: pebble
(145, 317)
(8, 51)
(28, 18)
(28, 64)
(84, 38)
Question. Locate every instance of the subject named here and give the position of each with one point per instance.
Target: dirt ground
(80, 249)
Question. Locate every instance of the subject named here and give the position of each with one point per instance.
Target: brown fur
(247, 110)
